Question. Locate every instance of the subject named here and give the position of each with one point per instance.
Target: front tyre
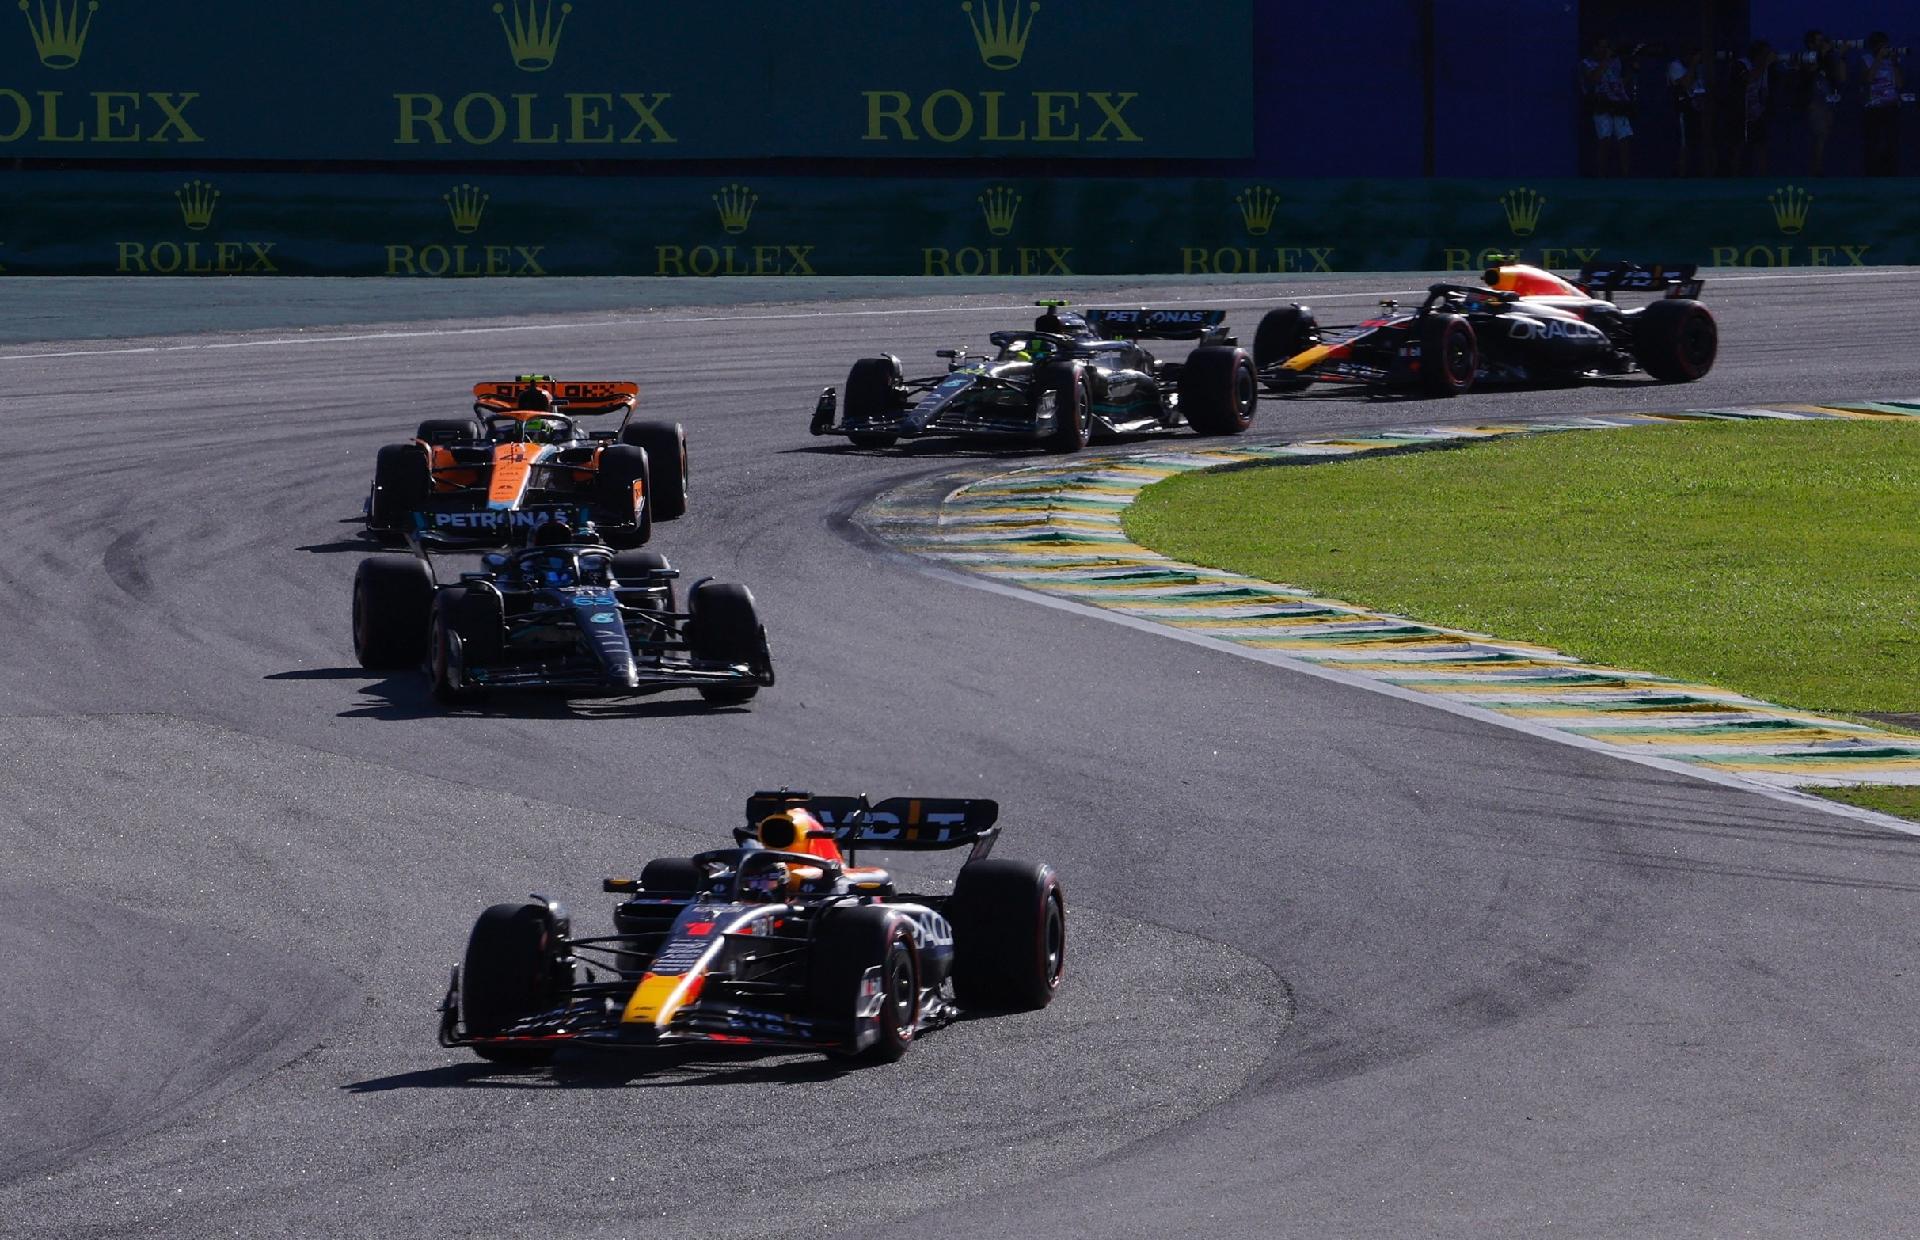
(1009, 935)
(623, 496)
(514, 969)
(1283, 333)
(1218, 390)
(1449, 355)
(723, 627)
(402, 480)
(1676, 340)
(665, 444)
(1072, 405)
(392, 611)
(874, 395)
(865, 971)
(456, 645)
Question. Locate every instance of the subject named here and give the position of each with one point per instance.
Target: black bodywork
(1464, 335)
(1069, 378)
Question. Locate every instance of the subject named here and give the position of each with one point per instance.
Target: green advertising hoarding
(620, 80)
(100, 223)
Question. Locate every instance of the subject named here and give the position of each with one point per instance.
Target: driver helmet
(1035, 350)
(533, 396)
(766, 884)
(555, 570)
(552, 534)
(544, 429)
(796, 830)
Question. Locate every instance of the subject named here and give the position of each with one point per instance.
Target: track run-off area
(1341, 964)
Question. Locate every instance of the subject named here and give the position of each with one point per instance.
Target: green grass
(1780, 559)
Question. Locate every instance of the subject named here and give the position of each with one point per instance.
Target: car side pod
(824, 411)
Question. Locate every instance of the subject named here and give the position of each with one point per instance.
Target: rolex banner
(419, 226)
(619, 79)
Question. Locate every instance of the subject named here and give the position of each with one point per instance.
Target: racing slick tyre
(1218, 392)
(724, 628)
(1073, 405)
(1283, 333)
(666, 447)
(1009, 935)
(449, 431)
(1676, 340)
(402, 481)
(1449, 355)
(459, 641)
(623, 521)
(873, 395)
(849, 945)
(637, 570)
(512, 970)
(392, 609)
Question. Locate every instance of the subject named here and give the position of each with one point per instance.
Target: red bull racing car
(525, 457)
(1523, 325)
(783, 941)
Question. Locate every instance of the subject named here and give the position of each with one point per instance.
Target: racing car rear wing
(1146, 324)
(904, 824)
(1605, 279)
(491, 527)
(575, 399)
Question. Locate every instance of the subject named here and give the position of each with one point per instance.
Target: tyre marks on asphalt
(1056, 530)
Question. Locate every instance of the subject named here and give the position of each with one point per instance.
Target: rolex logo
(1257, 205)
(466, 204)
(1790, 204)
(197, 200)
(1001, 35)
(736, 203)
(533, 37)
(1000, 205)
(59, 31)
(1523, 208)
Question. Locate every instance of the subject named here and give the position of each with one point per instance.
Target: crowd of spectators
(1727, 112)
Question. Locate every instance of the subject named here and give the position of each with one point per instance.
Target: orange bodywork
(512, 462)
(574, 399)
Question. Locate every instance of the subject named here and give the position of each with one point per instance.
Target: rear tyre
(873, 394)
(442, 432)
(1073, 403)
(451, 653)
(1449, 355)
(1676, 340)
(723, 627)
(851, 942)
(1218, 391)
(392, 610)
(623, 521)
(401, 482)
(1009, 935)
(665, 444)
(512, 970)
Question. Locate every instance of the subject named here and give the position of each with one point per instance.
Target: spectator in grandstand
(1746, 106)
(1687, 87)
(1818, 73)
(1880, 126)
(1610, 102)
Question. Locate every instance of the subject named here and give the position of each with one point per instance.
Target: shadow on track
(408, 697)
(589, 1069)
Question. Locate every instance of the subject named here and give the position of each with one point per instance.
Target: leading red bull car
(783, 941)
(526, 457)
(1521, 325)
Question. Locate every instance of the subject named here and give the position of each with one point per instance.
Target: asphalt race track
(1341, 965)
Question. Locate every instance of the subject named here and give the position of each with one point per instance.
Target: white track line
(631, 320)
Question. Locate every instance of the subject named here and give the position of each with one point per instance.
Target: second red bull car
(1522, 325)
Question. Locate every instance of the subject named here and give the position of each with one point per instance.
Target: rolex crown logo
(59, 31)
(533, 37)
(466, 204)
(197, 200)
(736, 203)
(1257, 205)
(1000, 205)
(1001, 35)
(1523, 208)
(1790, 204)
